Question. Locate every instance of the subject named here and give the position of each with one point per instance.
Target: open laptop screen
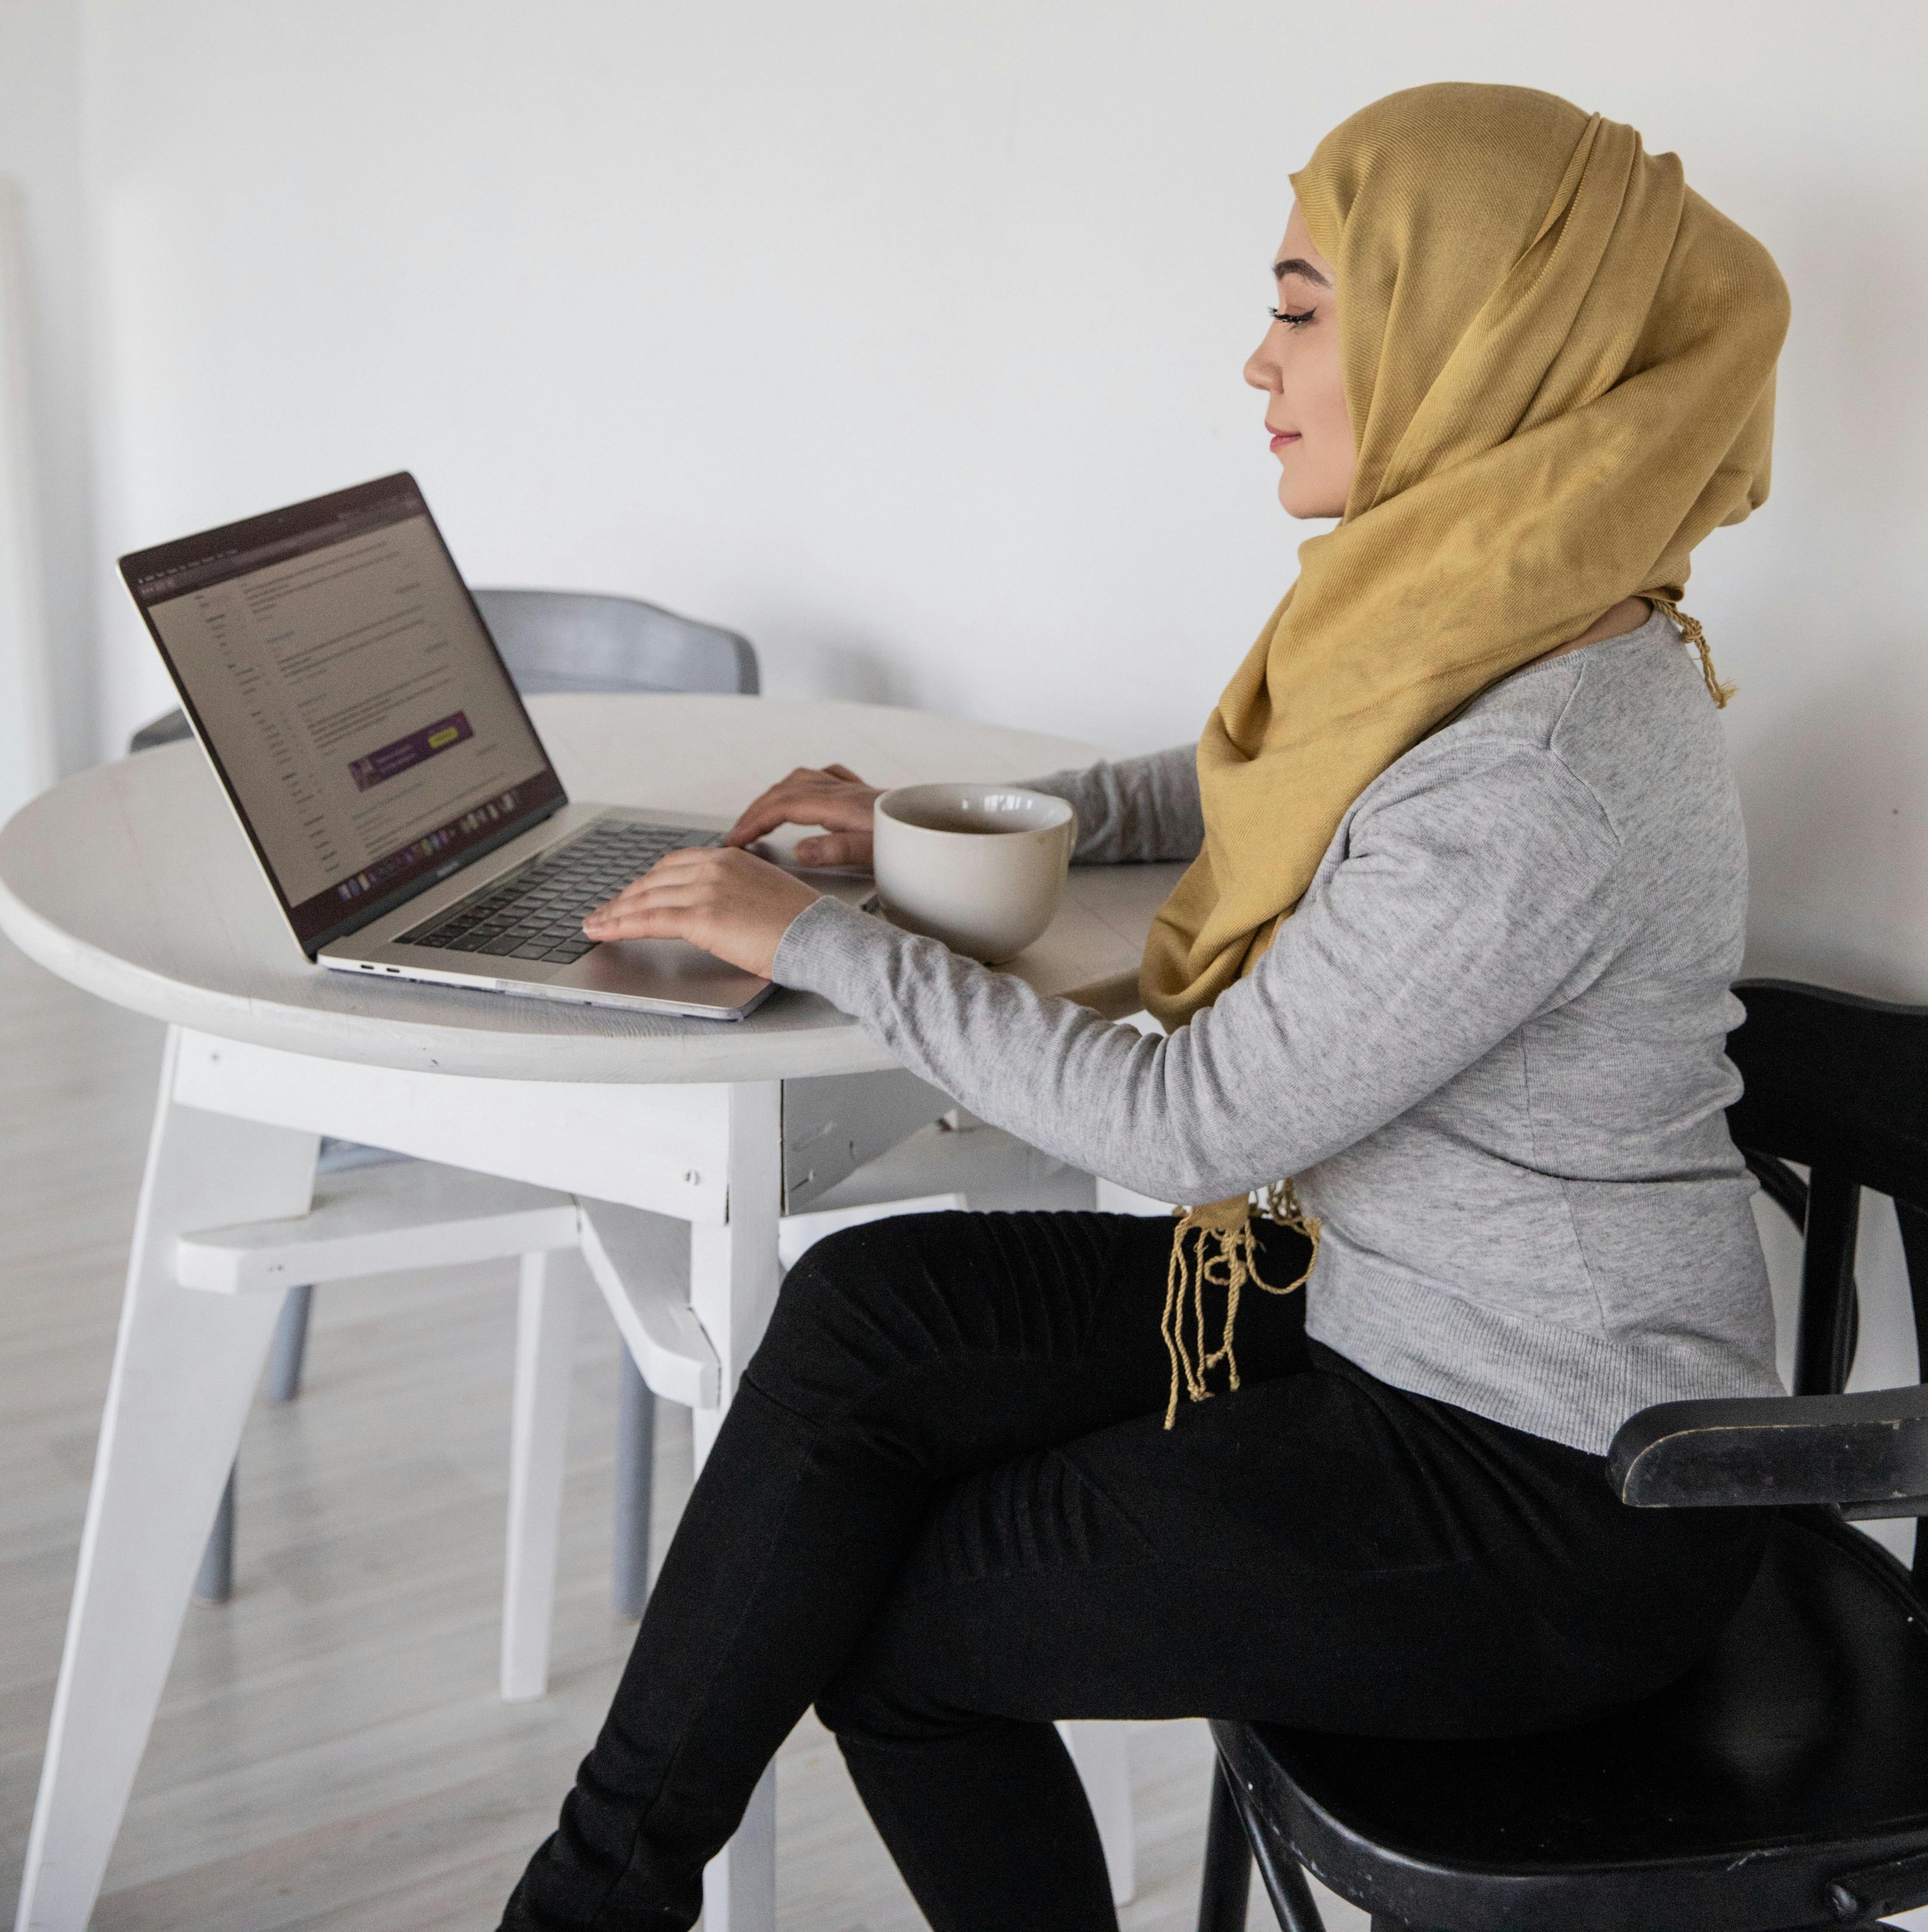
(339, 676)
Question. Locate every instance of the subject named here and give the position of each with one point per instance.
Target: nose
(1262, 369)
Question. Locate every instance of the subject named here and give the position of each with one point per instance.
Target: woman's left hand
(727, 901)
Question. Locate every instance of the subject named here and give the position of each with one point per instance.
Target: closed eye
(1292, 318)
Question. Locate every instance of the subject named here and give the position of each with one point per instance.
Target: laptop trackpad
(662, 969)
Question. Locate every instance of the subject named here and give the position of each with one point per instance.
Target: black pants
(943, 1508)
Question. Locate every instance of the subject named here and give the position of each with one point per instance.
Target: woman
(1453, 956)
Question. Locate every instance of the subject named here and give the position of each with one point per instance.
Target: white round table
(134, 881)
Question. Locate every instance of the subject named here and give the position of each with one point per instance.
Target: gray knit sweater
(1489, 1045)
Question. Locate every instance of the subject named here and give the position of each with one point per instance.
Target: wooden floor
(330, 1752)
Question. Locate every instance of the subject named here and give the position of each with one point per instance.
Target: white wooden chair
(380, 1219)
(551, 641)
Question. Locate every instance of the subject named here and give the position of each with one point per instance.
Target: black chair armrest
(1868, 1454)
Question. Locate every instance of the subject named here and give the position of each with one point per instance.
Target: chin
(1307, 504)
(1308, 509)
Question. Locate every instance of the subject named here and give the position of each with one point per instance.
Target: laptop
(343, 685)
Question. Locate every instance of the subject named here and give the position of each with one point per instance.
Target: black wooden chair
(1783, 1782)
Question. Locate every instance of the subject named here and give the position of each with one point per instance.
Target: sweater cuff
(830, 948)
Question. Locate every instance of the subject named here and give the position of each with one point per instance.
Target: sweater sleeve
(1135, 810)
(1462, 904)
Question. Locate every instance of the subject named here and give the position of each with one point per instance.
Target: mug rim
(952, 787)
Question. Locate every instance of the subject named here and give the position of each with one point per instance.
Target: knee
(836, 1271)
(836, 1279)
(845, 1318)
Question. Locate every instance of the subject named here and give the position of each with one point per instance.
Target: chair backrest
(1839, 1084)
(583, 641)
(167, 729)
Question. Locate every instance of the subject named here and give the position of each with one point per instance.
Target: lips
(1283, 439)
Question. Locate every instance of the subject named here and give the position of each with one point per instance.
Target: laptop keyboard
(536, 912)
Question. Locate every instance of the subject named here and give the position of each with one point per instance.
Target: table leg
(739, 1882)
(184, 1369)
(1098, 1751)
(733, 1270)
(734, 1276)
(539, 1449)
(635, 1488)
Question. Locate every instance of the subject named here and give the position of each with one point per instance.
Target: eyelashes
(1292, 318)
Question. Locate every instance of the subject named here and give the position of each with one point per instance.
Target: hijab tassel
(1216, 1245)
(1696, 639)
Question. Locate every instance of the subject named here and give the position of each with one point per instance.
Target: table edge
(417, 1046)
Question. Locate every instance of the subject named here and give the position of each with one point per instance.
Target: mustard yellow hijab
(1559, 365)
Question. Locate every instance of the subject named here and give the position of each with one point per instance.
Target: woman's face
(1297, 365)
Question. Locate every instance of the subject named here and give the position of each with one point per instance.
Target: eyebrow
(1297, 265)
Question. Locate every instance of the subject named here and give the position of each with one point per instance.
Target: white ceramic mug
(980, 867)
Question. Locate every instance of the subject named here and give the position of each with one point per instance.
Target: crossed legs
(943, 1508)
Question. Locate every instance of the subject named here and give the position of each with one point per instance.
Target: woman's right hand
(835, 798)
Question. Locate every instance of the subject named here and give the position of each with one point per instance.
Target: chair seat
(1797, 1753)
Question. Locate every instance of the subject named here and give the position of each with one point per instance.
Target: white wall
(47, 708)
(904, 336)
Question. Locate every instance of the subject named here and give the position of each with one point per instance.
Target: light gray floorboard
(331, 1756)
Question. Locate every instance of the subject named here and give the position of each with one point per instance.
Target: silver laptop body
(373, 747)
(657, 975)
